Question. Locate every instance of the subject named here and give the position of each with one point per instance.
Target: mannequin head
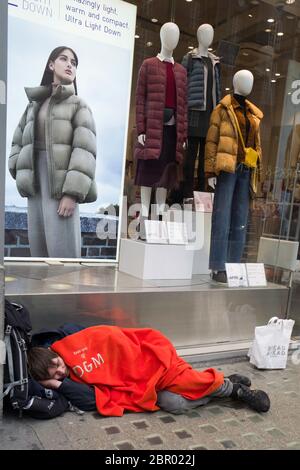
(205, 35)
(243, 82)
(169, 36)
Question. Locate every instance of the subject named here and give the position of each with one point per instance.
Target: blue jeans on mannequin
(230, 217)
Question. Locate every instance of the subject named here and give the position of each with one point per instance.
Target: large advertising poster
(3, 79)
(69, 83)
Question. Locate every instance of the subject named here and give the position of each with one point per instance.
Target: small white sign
(236, 275)
(256, 274)
(156, 232)
(177, 232)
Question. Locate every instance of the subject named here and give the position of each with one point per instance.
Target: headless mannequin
(169, 37)
(196, 142)
(242, 85)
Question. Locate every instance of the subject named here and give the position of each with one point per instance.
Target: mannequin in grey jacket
(204, 93)
(53, 159)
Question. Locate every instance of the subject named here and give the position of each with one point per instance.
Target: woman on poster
(53, 158)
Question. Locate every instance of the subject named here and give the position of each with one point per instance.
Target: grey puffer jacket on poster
(70, 145)
(197, 80)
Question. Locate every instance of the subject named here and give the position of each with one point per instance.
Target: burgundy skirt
(162, 172)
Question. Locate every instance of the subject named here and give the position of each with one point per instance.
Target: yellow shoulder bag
(251, 155)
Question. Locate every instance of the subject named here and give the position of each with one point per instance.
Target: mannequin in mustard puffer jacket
(236, 182)
(53, 159)
(221, 152)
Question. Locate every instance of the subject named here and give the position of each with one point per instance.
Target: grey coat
(70, 145)
(197, 80)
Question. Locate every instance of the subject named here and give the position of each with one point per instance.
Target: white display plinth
(152, 261)
(199, 232)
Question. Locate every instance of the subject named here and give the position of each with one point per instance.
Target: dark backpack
(18, 385)
(17, 336)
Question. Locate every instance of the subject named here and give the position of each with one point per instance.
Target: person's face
(64, 68)
(59, 370)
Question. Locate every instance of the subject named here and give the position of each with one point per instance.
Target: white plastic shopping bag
(270, 347)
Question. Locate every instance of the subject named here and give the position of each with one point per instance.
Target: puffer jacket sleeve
(17, 145)
(212, 141)
(82, 165)
(141, 96)
(185, 61)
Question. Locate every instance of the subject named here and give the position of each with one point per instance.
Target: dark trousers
(230, 218)
(196, 147)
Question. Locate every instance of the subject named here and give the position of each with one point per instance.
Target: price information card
(177, 233)
(156, 232)
(236, 275)
(246, 275)
(256, 275)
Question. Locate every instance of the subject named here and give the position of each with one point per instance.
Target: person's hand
(142, 139)
(212, 182)
(51, 383)
(66, 206)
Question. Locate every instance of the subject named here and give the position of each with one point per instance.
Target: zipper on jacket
(230, 111)
(50, 162)
(165, 94)
(36, 109)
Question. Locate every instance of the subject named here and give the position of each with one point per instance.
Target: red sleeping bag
(128, 366)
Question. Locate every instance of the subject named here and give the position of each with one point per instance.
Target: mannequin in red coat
(161, 114)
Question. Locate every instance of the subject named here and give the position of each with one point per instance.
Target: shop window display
(261, 37)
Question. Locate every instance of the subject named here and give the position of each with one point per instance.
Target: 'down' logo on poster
(44, 8)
